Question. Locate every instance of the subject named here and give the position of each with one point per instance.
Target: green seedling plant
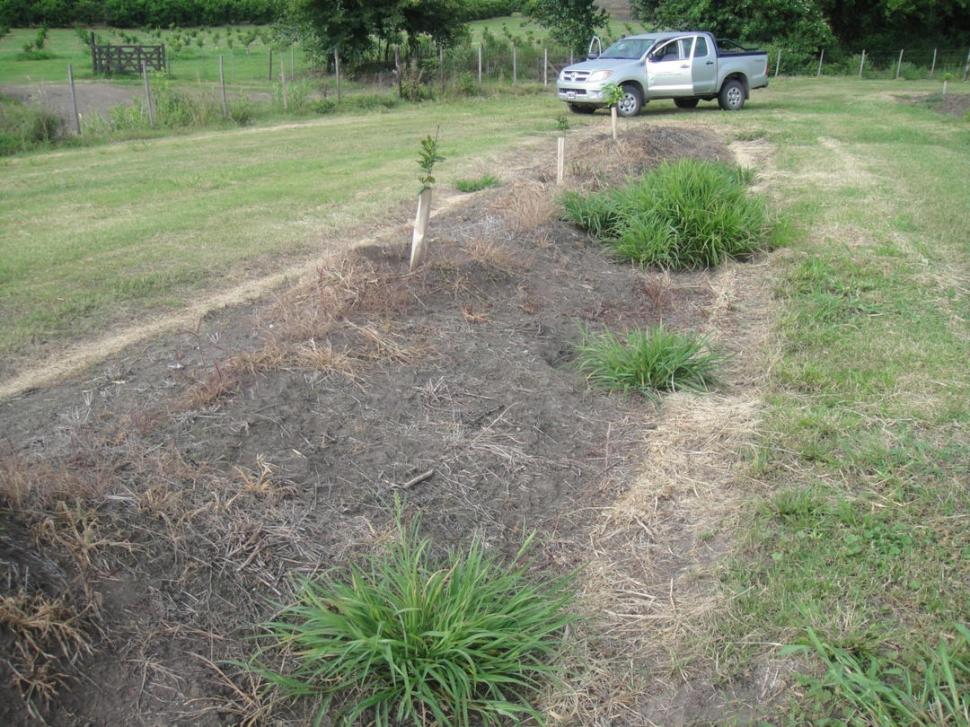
(409, 638)
(648, 362)
(428, 157)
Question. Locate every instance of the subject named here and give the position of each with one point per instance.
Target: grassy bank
(862, 551)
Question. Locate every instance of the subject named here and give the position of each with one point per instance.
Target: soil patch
(161, 506)
(93, 98)
(953, 104)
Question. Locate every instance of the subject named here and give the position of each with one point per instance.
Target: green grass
(94, 237)
(249, 68)
(648, 361)
(408, 638)
(861, 549)
(683, 215)
(476, 185)
(25, 127)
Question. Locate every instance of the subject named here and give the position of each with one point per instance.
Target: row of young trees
(136, 13)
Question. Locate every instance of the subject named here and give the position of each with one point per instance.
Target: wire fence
(912, 64)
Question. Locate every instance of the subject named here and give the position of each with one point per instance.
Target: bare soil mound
(93, 98)
(152, 513)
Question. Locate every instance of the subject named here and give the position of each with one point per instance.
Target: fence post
(966, 67)
(862, 63)
(271, 65)
(336, 68)
(778, 63)
(545, 67)
(441, 66)
(570, 57)
(899, 65)
(933, 64)
(286, 104)
(77, 116)
(820, 59)
(397, 70)
(479, 64)
(148, 95)
(292, 62)
(515, 68)
(222, 85)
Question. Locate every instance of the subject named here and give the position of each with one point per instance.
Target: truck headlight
(599, 76)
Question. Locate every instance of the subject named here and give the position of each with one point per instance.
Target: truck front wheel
(731, 97)
(632, 101)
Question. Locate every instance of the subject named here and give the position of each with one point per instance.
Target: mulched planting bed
(163, 504)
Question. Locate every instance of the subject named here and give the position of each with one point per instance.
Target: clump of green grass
(878, 691)
(24, 127)
(476, 185)
(683, 215)
(409, 639)
(648, 361)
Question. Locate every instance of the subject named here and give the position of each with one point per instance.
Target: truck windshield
(628, 48)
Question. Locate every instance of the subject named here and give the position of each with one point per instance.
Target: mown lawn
(97, 235)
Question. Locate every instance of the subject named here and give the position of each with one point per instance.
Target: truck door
(668, 68)
(704, 66)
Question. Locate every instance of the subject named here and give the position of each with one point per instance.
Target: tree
(570, 22)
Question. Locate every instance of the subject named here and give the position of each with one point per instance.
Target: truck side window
(700, 47)
(669, 52)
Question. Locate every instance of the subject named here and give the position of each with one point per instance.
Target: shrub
(682, 215)
(412, 640)
(648, 361)
(25, 127)
(476, 185)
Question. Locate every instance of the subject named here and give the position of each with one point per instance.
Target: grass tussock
(648, 361)
(476, 185)
(683, 215)
(411, 639)
(24, 127)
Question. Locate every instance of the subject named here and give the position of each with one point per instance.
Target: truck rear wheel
(731, 97)
(686, 103)
(632, 101)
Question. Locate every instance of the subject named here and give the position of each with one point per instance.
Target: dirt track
(94, 98)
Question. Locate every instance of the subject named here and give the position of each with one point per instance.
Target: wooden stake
(271, 65)
(862, 63)
(77, 116)
(336, 68)
(479, 64)
(899, 65)
(821, 58)
(944, 87)
(933, 65)
(148, 95)
(778, 63)
(613, 120)
(418, 247)
(222, 85)
(545, 67)
(560, 159)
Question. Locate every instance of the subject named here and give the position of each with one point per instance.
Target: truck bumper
(580, 93)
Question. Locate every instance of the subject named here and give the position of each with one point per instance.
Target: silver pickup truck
(686, 66)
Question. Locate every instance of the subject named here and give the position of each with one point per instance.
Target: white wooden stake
(862, 63)
(418, 246)
(479, 64)
(899, 65)
(933, 65)
(560, 159)
(222, 84)
(821, 58)
(613, 120)
(545, 67)
(77, 116)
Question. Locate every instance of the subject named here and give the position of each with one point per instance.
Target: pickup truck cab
(686, 66)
